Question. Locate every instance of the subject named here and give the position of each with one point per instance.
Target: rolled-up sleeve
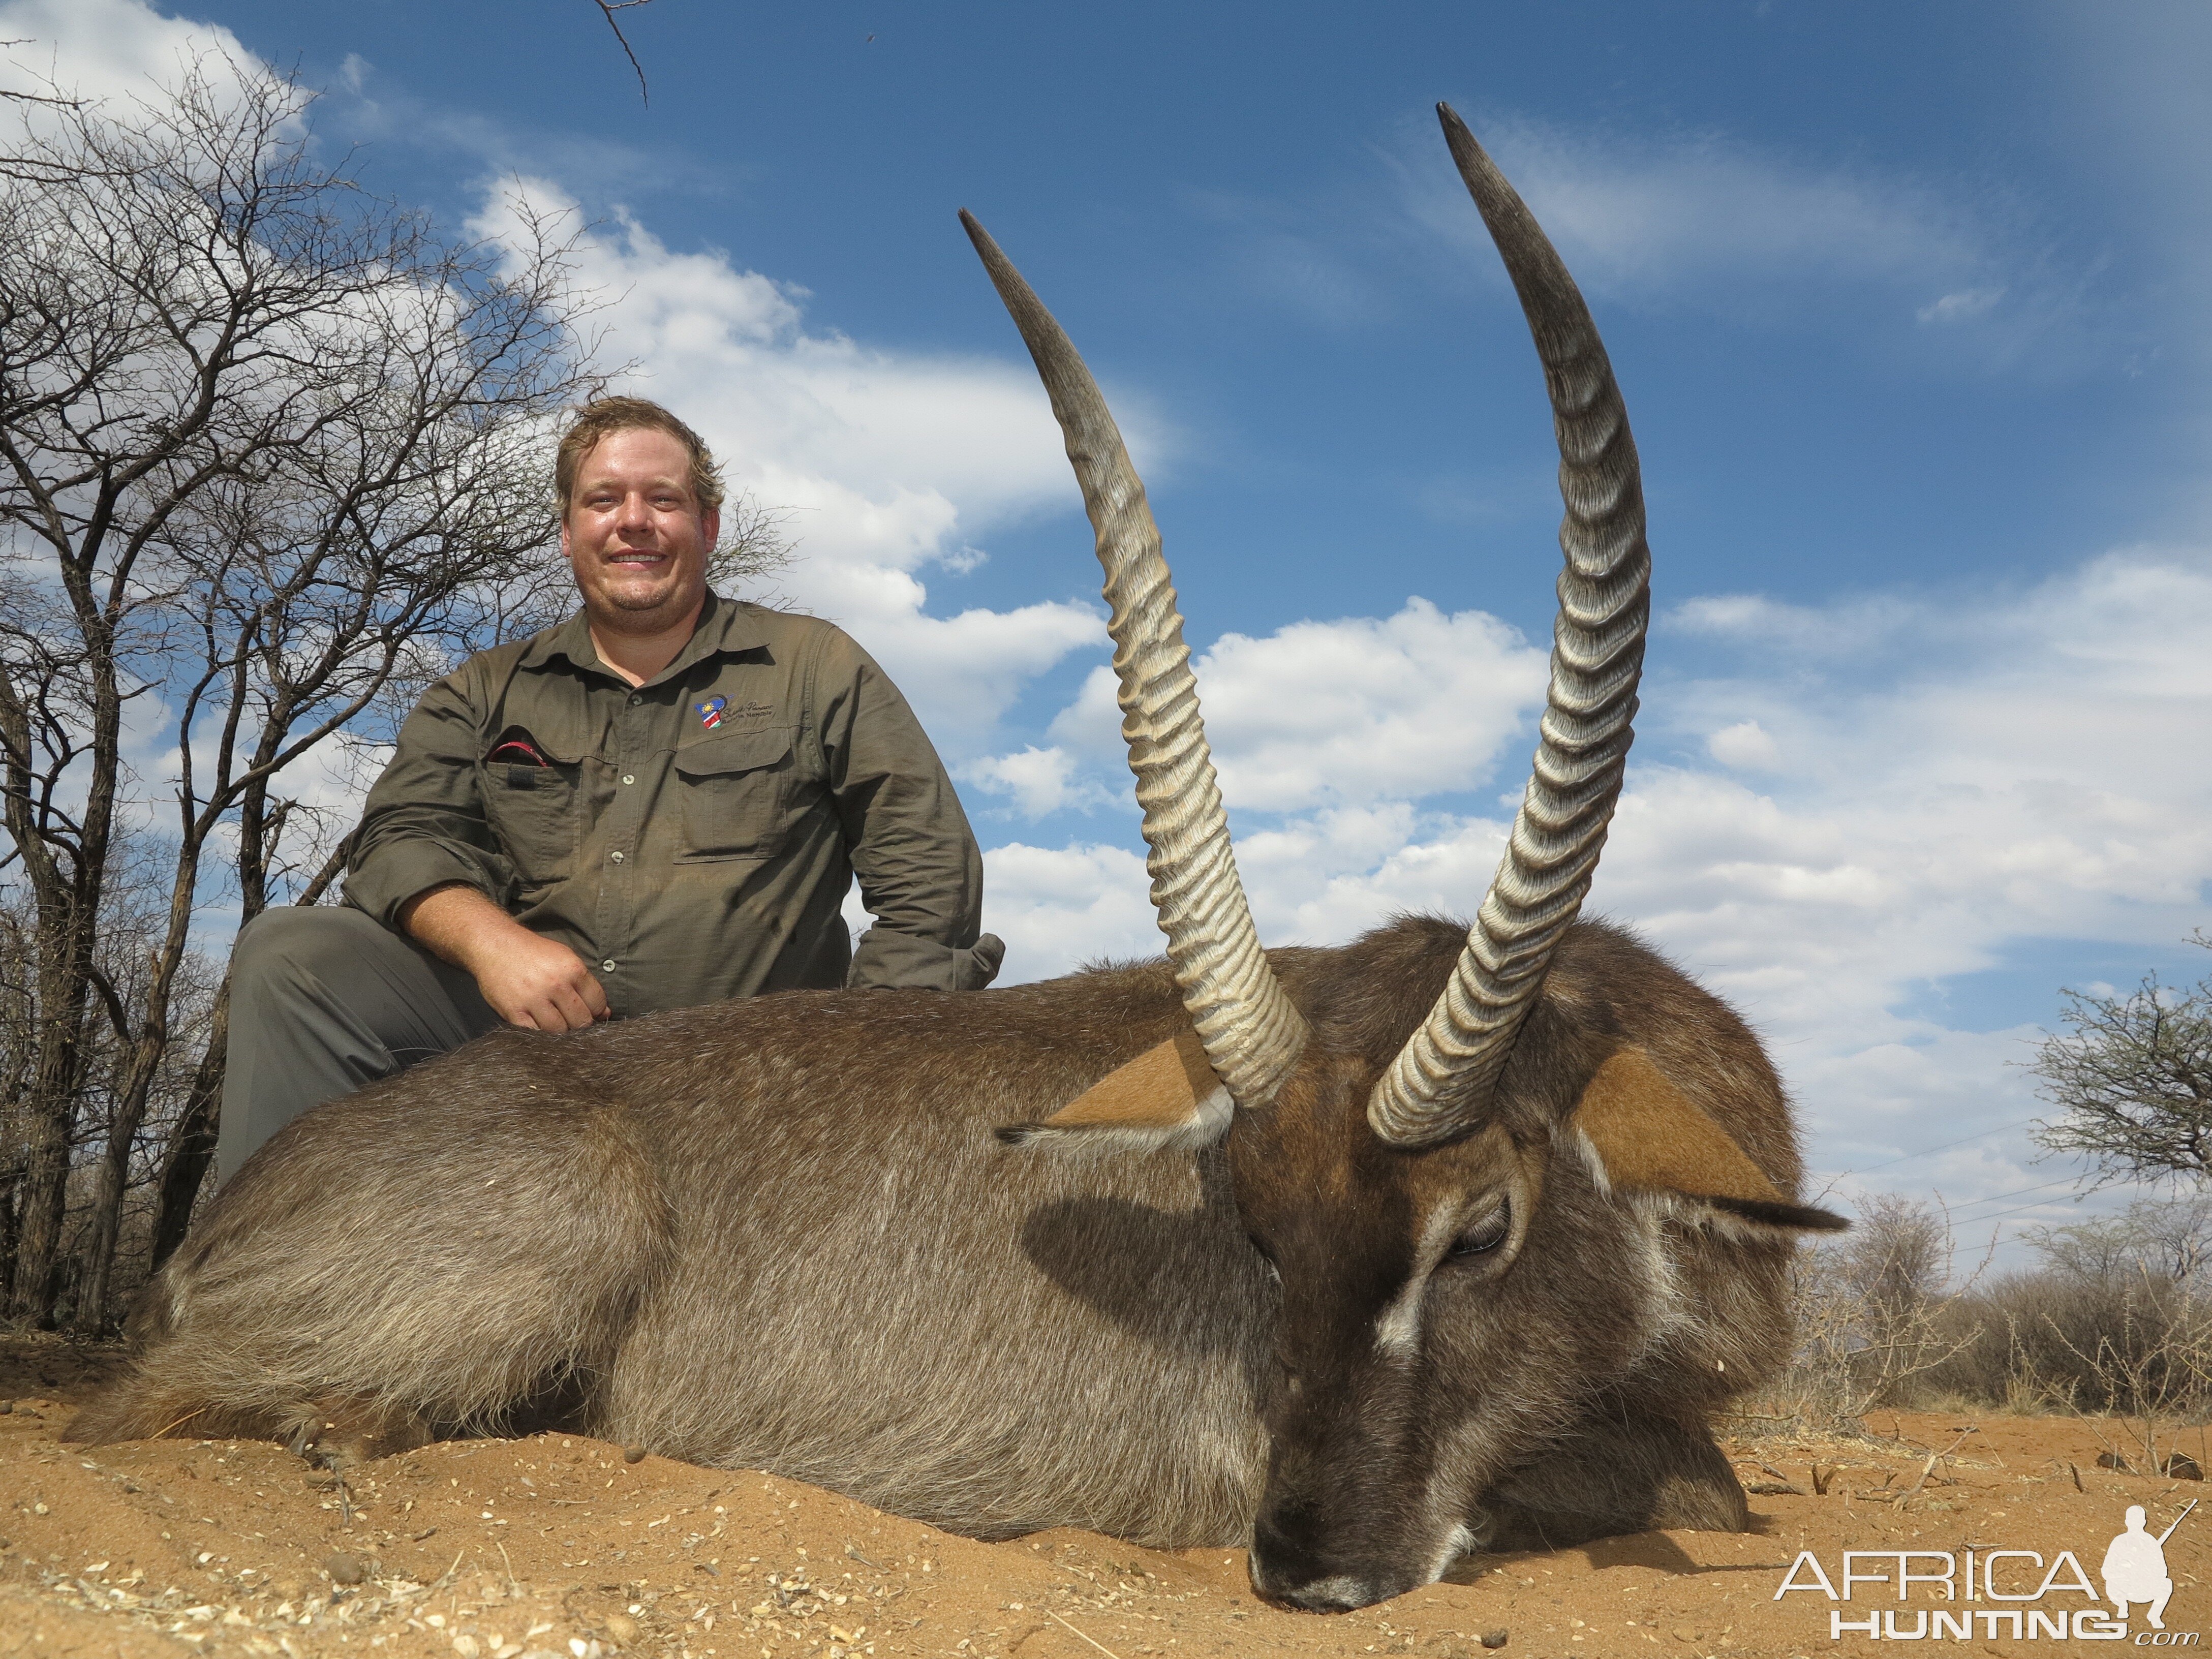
(921, 873)
(423, 824)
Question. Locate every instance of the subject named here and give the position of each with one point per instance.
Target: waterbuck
(1445, 1240)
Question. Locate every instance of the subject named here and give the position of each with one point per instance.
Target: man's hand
(534, 982)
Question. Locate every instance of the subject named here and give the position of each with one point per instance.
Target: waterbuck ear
(1648, 1136)
(1167, 1097)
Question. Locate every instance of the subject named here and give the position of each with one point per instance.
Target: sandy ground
(559, 1547)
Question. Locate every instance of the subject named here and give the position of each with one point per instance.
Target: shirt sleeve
(920, 871)
(423, 824)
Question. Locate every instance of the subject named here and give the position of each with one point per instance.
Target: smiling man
(660, 803)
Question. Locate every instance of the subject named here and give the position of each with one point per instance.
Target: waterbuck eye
(1486, 1235)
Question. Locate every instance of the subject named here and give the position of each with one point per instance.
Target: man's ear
(1168, 1098)
(1646, 1135)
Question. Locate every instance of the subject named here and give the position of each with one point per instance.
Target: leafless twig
(609, 8)
(1934, 1458)
(1101, 1646)
(53, 96)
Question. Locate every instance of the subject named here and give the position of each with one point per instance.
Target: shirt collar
(725, 626)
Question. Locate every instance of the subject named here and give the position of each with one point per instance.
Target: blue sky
(1907, 303)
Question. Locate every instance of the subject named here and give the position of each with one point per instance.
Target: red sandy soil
(559, 1547)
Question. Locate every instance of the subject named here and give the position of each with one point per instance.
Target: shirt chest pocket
(533, 815)
(736, 790)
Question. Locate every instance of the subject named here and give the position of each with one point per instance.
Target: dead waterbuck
(1445, 1240)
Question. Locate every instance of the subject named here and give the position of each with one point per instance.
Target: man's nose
(634, 514)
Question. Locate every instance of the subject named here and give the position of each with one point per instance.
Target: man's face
(635, 535)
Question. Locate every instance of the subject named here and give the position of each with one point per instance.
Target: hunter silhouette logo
(2134, 1566)
(2007, 1593)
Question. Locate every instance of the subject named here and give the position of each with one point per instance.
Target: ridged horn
(1252, 1034)
(1441, 1083)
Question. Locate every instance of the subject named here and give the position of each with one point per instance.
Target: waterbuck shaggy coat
(1447, 1239)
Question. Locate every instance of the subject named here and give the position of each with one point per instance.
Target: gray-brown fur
(780, 1234)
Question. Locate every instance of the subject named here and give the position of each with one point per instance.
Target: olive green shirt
(692, 838)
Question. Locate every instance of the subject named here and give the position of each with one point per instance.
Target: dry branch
(608, 9)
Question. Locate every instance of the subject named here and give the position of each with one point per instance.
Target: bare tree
(126, 955)
(271, 453)
(1874, 1313)
(1896, 1256)
(2131, 1077)
(2168, 1240)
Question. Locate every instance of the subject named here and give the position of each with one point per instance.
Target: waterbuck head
(1464, 1215)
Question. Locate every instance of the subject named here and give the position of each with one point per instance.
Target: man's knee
(295, 944)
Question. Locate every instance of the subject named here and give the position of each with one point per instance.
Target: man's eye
(1486, 1235)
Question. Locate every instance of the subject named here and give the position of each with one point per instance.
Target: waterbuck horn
(1441, 1083)
(1251, 1033)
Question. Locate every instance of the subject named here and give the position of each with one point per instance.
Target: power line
(2020, 1192)
(1928, 1152)
(2004, 1215)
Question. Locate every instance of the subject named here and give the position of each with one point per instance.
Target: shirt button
(617, 857)
(608, 966)
(628, 778)
(634, 700)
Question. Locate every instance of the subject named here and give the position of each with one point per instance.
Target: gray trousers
(324, 999)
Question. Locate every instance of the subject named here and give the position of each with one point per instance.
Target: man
(657, 803)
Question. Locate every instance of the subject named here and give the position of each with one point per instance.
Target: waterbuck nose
(1287, 1568)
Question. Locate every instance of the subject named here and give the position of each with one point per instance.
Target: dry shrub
(2115, 1324)
(1874, 1319)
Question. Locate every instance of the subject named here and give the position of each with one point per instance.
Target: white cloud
(2043, 777)
(1845, 629)
(1360, 710)
(1686, 210)
(1058, 907)
(105, 49)
(1961, 306)
(1353, 711)
(1092, 725)
(2031, 769)
(1324, 878)
(1038, 781)
(1713, 221)
(1746, 746)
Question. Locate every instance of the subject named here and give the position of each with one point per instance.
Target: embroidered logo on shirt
(710, 712)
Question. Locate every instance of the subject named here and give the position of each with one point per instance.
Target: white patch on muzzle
(1459, 1541)
(1328, 1594)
